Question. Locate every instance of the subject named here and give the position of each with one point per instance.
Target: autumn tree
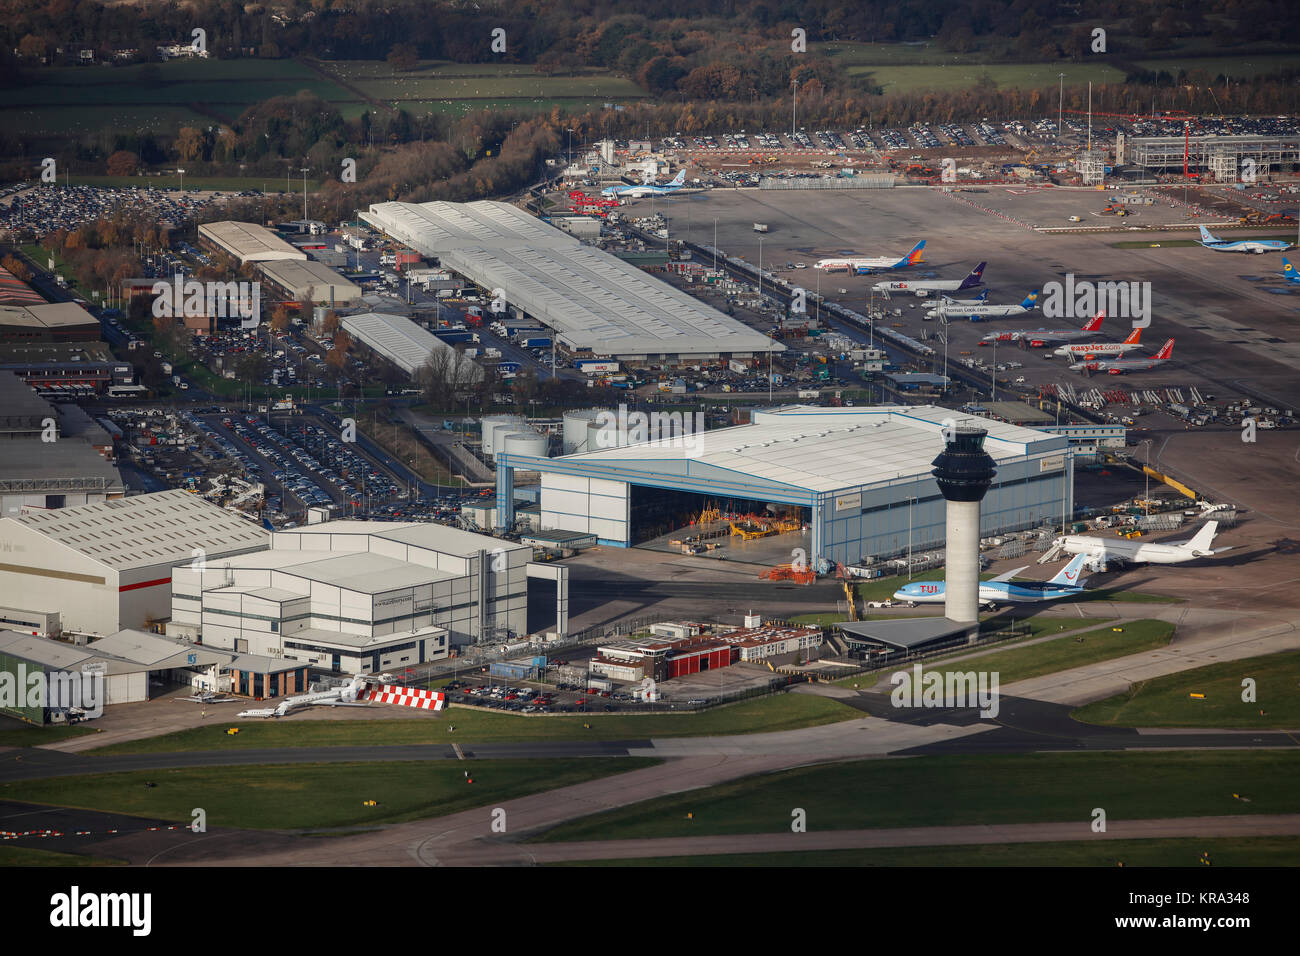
(123, 163)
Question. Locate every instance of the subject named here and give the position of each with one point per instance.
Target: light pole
(1146, 495)
(794, 108)
(304, 194)
(182, 172)
(911, 505)
(1060, 103)
(715, 244)
(760, 272)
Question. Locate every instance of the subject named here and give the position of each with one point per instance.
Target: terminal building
(858, 479)
(357, 596)
(595, 303)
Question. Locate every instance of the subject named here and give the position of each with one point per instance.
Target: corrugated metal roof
(593, 300)
(402, 342)
(160, 528)
(825, 449)
(249, 242)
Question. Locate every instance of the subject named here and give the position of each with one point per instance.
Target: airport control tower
(964, 472)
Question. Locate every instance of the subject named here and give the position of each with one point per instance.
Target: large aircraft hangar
(857, 480)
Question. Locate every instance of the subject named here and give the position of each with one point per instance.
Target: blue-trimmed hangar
(858, 477)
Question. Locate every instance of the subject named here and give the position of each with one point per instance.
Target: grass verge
(1016, 788)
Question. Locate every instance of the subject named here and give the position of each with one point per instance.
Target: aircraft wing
(1006, 577)
(343, 703)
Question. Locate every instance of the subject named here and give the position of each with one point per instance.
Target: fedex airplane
(1099, 551)
(979, 311)
(923, 287)
(637, 192)
(1092, 350)
(1289, 272)
(1039, 338)
(1002, 590)
(862, 267)
(1242, 245)
(1120, 366)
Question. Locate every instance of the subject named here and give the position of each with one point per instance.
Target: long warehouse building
(858, 478)
(407, 345)
(596, 303)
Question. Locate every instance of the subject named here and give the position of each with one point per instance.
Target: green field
(1246, 851)
(926, 792)
(1063, 653)
(913, 68)
(13, 855)
(15, 734)
(1166, 701)
(760, 715)
(316, 795)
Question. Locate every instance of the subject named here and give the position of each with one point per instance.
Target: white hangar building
(358, 596)
(99, 568)
(858, 477)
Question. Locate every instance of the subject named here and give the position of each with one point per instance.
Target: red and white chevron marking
(408, 697)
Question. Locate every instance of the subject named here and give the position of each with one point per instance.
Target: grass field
(1247, 851)
(912, 68)
(316, 795)
(11, 855)
(1021, 663)
(14, 734)
(1166, 701)
(760, 715)
(1019, 788)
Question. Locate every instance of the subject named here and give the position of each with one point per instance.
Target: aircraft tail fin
(1206, 236)
(1069, 575)
(1094, 324)
(913, 257)
(1289, 271)
(983, 296)
(1166, 351)
(1134, 337)
(975, 278)
(679, 179)
(1030, 300)
(1202, 540)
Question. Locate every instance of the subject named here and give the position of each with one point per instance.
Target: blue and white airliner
(1243, 245)
(1002, 590)
(637, 192)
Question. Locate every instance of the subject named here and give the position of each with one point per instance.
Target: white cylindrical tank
(494, 423)
(601, 436)
(530, 442)
(962, 573)
(575, 424)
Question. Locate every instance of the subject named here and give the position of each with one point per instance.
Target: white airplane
(1257, 246)
(862, 267)
(1122, 365)
(979, 311)
(207, 697)
(923, 287)
(345, 696)
(1087, 351)
(1101, 550)
(1037, 338)
(649, 189)
(1004, 590)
